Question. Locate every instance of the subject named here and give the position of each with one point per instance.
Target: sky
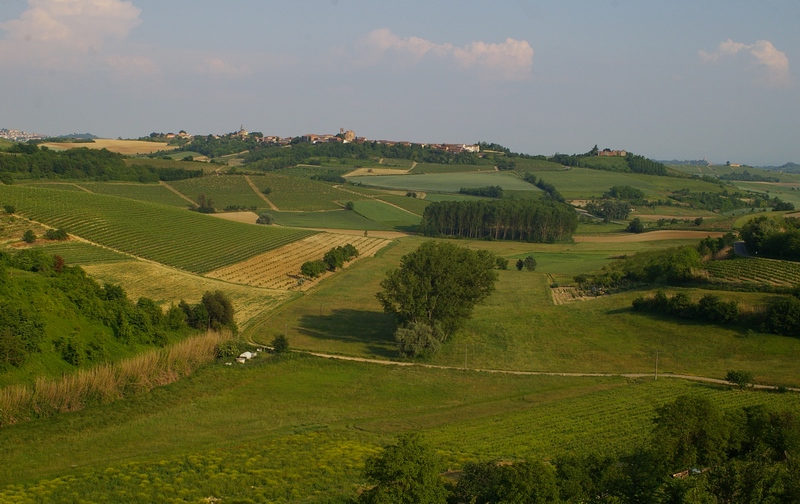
(694, 79)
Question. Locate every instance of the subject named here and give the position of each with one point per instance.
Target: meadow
(449, 168)
(520, 328)
(413, 205)
(388, 215)
(181, 238)
(299, 429)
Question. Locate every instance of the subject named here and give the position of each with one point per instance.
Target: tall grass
(108, 382)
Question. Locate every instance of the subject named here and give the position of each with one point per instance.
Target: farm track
(177, 192)
(261, 194)
(377, 198)
(382, 362)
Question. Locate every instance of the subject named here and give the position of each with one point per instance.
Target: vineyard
(178, 238)
(153, 193)
(335, 219)
(280, 268)
(756, 270)
(387, 214)
(299, 194)
(80, 253)
(224, 190)
(414, 205)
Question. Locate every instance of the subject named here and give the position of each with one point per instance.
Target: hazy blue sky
(666, 79)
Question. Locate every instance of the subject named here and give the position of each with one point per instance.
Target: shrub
(349, 205)
(741, 379)
(56, 234)
(280, 344)
(313, 269)
(29, 236)
(530, 263)
(10, 209)
(265, 218)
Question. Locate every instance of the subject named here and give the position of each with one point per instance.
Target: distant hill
(787, 168)
(692, 162)
(78, 136)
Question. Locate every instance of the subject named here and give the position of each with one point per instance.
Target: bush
(502, 263)
(530, 263)
(56, 234)
(280, 344)
(741, 379)
(265, 218)
(635, 226)
(349, 205)
(313, 269)
(266, 190)
(29, 236)
(10, 209)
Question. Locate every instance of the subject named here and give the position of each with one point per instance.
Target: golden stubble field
(167, 286)
(125, 147)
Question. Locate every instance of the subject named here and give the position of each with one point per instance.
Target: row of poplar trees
(524, 220)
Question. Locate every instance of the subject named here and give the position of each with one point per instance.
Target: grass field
(168, 235)
(153, 193)
(127, 147)
(449, 168)
(446, 182)
(782, 191)
(299, 429)
(518, 327)
(386, 214)
(535, 165)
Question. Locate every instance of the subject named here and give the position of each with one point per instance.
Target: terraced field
(178, 238)
(756, 270)
(280, 268)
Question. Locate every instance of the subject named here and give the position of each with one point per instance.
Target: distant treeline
(487, 192)
(524, 220)
(30, 161)
(633, 163)
(775, 238)
(748, 177)
(548, 188)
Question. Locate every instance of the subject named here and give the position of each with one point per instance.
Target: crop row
(295, 193)
(768, 271)
(171, 236)
(224, 190)
(153, 193)
(280, 268)
(83, 253)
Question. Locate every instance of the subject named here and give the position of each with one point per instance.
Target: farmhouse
(609, 152)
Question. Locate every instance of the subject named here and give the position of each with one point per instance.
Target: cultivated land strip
(383, 362)
(177, 192)
(261, 194)
(377, 198)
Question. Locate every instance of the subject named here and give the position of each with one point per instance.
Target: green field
(334, 219)
(64, 186)
(446, 182)
(449, 168)
(83, 253)
(784, 192)
(153, 193)
(168, 235)
(414, 205)
(386, 214)
(296, 193)
(756, 270)
(519, 327)
(299, 429)
(224, 190)
(580, 183)
(534, 165)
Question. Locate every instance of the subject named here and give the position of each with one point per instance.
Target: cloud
(218, 67)
(73, 24)
(509, 60)
(773, 63)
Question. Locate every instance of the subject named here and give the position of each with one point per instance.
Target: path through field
(651, 236)
(177, 192)
(261, 194)
(382, 362)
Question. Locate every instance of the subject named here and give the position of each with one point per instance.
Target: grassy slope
(518, 327)
(336, 219)
(223, 413)
(386, 214)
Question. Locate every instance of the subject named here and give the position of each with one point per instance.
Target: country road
(383, 362)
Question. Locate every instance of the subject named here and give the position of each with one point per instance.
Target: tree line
(694, 452)
(32, 161)
(775, 238)
(524, 220)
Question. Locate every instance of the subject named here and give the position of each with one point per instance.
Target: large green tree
(438, 285)
(406, 472)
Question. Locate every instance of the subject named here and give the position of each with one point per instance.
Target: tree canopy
(438, 285)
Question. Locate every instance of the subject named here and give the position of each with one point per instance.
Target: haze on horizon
(683, 79)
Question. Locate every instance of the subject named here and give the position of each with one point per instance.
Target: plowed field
(280, 268)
